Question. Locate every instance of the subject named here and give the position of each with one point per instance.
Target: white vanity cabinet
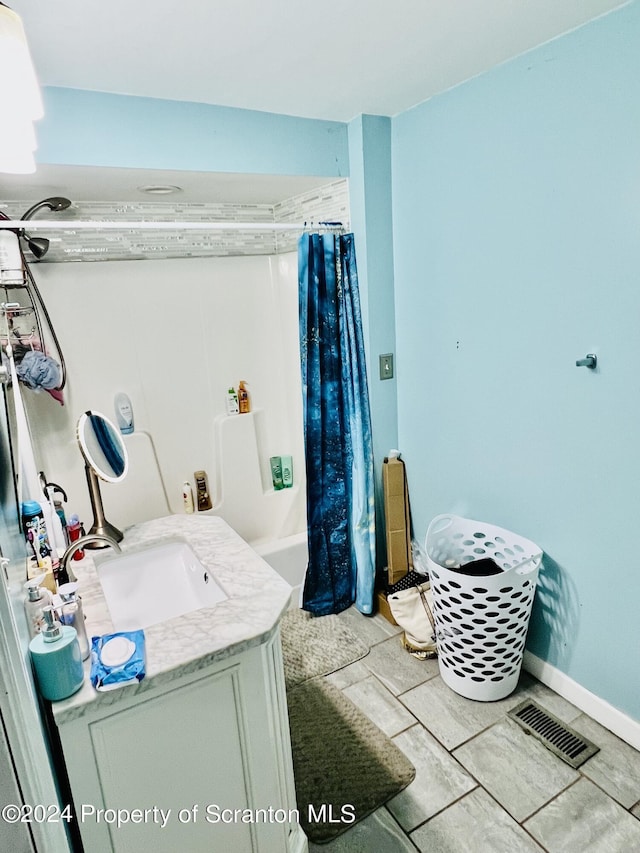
(199, 763)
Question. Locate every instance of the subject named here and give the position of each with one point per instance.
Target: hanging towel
(38, 370)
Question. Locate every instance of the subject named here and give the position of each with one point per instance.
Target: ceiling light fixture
(20, 101)
(160, 189)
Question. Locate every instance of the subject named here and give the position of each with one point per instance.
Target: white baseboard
(602, 712)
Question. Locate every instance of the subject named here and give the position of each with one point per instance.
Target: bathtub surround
(289, 556)
(175, 349)
(337, 429)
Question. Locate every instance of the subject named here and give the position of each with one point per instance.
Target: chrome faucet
(80, 543)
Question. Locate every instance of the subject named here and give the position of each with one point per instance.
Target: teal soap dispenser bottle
(57, 660)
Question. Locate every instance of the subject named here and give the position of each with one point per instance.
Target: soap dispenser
(57, 661)
(37, 598)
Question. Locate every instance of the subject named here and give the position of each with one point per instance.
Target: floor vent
(563, 741)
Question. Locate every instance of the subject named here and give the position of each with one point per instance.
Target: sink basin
(151, 586)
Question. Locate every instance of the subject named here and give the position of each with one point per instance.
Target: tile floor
(481, 783)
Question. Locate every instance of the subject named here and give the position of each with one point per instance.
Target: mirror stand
(100, 523)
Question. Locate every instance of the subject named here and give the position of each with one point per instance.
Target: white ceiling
(332, 59)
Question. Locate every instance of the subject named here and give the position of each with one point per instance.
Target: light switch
(386, 366)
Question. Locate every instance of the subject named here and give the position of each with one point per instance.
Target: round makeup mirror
(105, 457)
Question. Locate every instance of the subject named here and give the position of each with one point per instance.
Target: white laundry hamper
(481, 622)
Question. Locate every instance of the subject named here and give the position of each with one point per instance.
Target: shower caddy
(26, 320)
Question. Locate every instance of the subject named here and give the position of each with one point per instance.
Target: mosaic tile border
(326, 203)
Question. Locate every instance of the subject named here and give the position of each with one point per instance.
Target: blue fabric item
(38, 370)
(337, 424)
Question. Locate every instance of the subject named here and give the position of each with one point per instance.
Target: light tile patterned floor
(481, 783)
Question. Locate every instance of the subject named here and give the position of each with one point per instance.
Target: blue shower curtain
(337, 427)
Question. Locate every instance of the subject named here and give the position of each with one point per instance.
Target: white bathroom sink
(151, 586)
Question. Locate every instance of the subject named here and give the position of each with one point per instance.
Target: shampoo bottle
(232, 402)
(276, 472)
(244, 402)
(57, 661)
(287, 471)
(187, 497)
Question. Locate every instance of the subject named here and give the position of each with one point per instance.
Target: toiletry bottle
(287, 471)
(35, 531)
(57, 661)
(75, 530)
(56, 495)
(48, 513)
(187, 497)
(63, 521)
(203, 497)
(124, 413)
(59, 544)
(276, 472)
(232, 402)
(244, 403)
(37, 598)
(71, 613)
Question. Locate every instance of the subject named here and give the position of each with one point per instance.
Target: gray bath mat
(344, 766)
(316, 645)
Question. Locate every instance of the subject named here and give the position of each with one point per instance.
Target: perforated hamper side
(481, 622)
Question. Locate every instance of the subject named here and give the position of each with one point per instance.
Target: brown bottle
(244, 404)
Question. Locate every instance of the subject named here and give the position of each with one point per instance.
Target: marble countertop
(257, 598)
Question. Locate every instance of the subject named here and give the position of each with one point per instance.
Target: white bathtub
(288, 557)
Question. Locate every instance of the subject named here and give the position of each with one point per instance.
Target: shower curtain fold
(337, 423)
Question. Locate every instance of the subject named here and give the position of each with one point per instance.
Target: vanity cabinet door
(196, 762)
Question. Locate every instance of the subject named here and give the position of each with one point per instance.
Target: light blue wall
(101, 129)
(516, 206)
(370, 195)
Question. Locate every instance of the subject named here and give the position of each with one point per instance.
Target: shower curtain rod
(70, 225)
